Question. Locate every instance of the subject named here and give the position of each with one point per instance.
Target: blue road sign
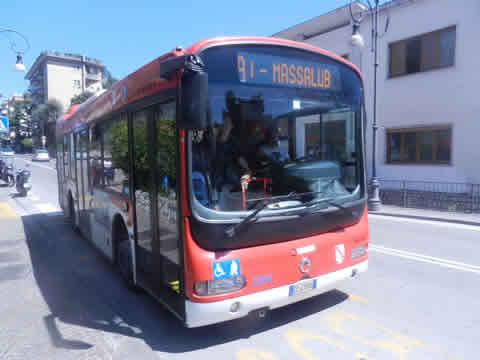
(3, 124)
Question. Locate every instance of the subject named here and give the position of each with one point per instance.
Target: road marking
(35, 164)
(6, 212)
(357, 298)
(295, 339)
(426, 222)
(254, 354)
(47, 208)
(425, 258)
(395, 343)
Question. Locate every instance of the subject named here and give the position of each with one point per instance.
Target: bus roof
(146, 81)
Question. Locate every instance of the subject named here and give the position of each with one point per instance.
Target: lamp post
(19, 65)
(374, 201)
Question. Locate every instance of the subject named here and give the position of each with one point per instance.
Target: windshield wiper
(313, 206)
(232, 230)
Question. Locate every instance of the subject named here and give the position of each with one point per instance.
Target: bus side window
(115, 155)
(95, 176)
(66, 154)
(71, 152)
(60, 158)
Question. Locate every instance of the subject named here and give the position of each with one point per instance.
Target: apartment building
(427, 110)
(61, 76)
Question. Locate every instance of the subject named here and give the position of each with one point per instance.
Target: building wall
(443, 96)
(64, 82)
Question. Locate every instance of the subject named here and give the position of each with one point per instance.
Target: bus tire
(123, 254)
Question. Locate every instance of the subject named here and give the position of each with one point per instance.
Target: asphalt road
(62, 300)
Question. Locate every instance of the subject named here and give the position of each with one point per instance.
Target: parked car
(41, 155)
(7, 151)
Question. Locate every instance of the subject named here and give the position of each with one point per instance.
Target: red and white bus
(226, 179)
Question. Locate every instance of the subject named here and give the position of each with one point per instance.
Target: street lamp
(19, 65)
(374, 201)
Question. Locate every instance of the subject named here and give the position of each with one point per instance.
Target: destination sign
(264, 69)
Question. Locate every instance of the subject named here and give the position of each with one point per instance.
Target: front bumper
(201, 314)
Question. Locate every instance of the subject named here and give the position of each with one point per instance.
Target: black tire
(123, 256)
(11, 181)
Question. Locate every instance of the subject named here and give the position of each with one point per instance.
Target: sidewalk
(433, 215)
(10, 223)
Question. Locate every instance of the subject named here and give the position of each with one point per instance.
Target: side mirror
(194, 101)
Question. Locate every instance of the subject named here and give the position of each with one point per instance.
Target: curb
(429, 218)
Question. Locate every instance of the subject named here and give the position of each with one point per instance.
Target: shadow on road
(81, 288)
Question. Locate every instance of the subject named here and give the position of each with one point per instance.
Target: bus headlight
(359, 251)
(220, 286)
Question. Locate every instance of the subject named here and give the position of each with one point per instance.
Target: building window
(76, 84)
(423, 53)
(432, 145)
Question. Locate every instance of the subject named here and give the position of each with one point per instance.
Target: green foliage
(49, 111)
(81, 98)
(21, 119)
(55, 107)
(27, 142)
(107, 79)
(116, 144)
(166, 152)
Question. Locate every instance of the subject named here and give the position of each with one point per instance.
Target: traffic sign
(4, 124)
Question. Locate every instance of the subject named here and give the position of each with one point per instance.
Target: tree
(81, 98)
(21, 118)
(45, 114)
(48, 112)
(107, 79)
(27, 143)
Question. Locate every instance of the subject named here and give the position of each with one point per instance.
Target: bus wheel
(123, 255)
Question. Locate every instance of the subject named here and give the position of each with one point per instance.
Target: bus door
(159, 261)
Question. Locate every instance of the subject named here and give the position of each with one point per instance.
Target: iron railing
(455, 197)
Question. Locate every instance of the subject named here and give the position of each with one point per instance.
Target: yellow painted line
(357, 298)
(254, 354)
(6, 212)
(393, 342)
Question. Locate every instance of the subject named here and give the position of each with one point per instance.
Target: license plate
(302, 287)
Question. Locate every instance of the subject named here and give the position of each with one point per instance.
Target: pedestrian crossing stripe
(47, 208)
(6, 212)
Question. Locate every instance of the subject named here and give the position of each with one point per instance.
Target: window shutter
(397, 59)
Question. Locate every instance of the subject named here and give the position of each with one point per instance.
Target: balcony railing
(71, 56)
(94, 77)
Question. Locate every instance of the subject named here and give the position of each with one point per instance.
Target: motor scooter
(22, 181)
(7, 173)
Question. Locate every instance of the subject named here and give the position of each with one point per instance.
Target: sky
(126, 35)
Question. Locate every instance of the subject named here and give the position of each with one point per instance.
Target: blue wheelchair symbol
(225, 269)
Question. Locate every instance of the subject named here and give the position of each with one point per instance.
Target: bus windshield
(273, 132)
